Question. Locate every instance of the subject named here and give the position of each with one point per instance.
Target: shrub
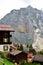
(41, 52)
(29, 63)
(23, 62)
(3, 55)
(32, 51)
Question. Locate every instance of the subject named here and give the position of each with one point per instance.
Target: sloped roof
(4, 27)
(15, 52)
(38, 58)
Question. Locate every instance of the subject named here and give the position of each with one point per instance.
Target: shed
(38, 58)
(17, 55)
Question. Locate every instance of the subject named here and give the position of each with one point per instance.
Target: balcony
(2, 43)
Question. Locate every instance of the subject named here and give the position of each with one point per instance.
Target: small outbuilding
(38, 59)
(17, 56)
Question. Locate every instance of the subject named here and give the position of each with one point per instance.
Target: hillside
(24, 21)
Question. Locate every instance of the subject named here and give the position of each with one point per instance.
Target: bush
(32, 51)
(23, 63)
(3, 55)
(41, 52)
(29, 63)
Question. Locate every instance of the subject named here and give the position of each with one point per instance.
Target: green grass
(1, 63)
(6, 62)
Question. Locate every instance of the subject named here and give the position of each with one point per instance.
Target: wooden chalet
(5, 37)
(17, 56)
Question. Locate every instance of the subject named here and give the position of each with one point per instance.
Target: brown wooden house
(5, 37)
(17, 56)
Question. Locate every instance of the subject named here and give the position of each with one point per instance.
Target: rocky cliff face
(24, 21)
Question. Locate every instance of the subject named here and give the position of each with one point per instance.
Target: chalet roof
(38, 58)
(15, 52)
(4, 27)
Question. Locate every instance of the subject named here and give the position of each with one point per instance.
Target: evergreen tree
(21, 47)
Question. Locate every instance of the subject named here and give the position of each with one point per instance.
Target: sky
(7, 5)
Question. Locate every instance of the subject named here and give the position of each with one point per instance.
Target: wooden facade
(5, 36)
(17, 56)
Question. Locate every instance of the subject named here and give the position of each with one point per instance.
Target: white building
(5, 37)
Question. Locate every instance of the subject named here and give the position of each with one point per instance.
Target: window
(5, 48)
(5, 40)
